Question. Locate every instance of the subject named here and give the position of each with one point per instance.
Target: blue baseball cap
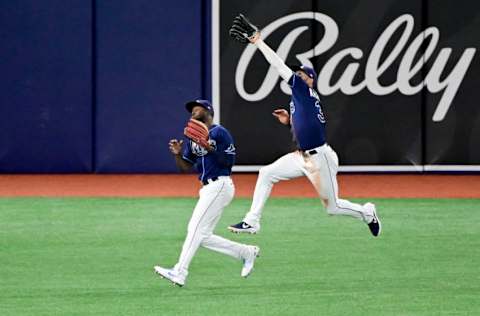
(203, 103)
(308, 70)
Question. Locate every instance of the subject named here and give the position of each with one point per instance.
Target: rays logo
(199, 151)
(230, 150)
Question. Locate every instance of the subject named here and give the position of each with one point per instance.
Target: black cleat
(243, 227)
(375, 225)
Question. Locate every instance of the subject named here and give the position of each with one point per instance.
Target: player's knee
(265, 173)
(331, 211)
(205, 232)
(199, 232)
(206, 240)
(331, 207)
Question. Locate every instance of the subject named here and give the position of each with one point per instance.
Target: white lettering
(345, 83)
(451, 83)
(272, 76)
(374, 69)
(405, 71)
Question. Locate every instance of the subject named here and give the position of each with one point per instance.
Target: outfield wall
(99, 86)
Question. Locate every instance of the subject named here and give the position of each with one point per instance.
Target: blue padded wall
(45, 80)
(148, 63)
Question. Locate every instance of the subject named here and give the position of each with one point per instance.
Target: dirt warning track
(353, 186)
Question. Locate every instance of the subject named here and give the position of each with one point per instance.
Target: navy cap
(203, 103)
(308, 70)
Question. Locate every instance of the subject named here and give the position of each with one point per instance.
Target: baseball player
(210, 150)
(314, 157)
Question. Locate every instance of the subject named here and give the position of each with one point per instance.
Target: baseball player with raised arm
(314, 157)
(211, 151)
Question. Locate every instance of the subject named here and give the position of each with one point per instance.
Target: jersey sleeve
(296, 83)
(188, 155)
(225, 151)
(284, 71)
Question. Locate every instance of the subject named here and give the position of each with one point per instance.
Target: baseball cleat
(249, 262)
(243, 227)
(170, 275)
(375, 225)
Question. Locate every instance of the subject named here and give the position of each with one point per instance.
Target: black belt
(205, 182)
(311, 151)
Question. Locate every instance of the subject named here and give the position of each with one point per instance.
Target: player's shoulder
(219, 131)
(296, 82)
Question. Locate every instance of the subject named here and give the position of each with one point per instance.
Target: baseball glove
(198, 132)
(242, 29)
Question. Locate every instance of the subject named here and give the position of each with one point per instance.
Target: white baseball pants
(213, 199)
(321, 169)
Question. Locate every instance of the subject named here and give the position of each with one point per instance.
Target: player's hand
(282, 116)
(254, 38)
(175, 146)
(243, 30)
(208, 147)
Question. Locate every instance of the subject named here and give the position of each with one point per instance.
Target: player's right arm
(181, 161)
(244, 31)
(282, 116)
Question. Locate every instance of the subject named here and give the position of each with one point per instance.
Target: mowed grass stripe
(83, 256)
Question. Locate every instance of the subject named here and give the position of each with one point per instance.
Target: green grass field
(82, 256)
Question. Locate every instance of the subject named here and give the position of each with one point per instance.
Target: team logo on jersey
(230, 150)
(199, 151)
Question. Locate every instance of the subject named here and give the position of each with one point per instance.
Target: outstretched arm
(272, 57)
(244, 31)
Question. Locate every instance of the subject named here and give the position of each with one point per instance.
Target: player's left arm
(244, 31)
(285, 72)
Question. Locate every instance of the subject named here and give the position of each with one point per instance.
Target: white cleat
(170, 275)
(249, 262)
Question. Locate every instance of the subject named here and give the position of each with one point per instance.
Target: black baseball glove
(242, 29)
